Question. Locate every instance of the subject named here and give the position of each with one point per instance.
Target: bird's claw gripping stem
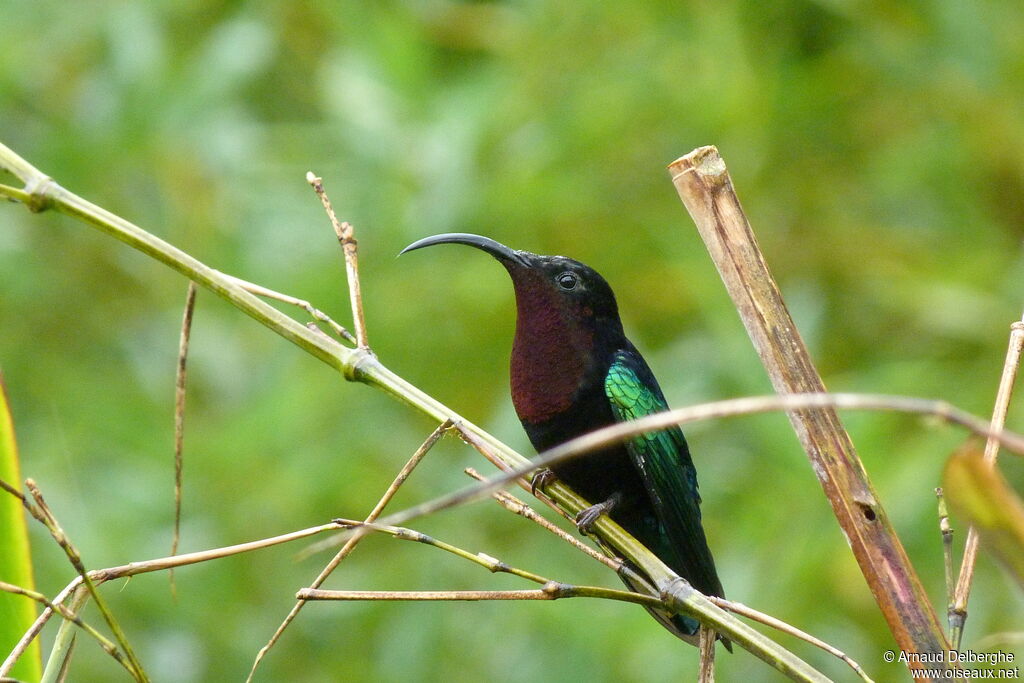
(541, 479)
(586, 519)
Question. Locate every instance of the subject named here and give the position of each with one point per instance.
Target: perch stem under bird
(573, 371)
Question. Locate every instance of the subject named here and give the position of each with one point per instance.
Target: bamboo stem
(552, 590)
(706, 645)
(706, 190)
(180, 380)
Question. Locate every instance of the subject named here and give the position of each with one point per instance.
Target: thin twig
(48, 519)
(161, 563)
(551, 591)
(315, 313)
(779, 625)
(958, 611)
(21, 497)
(351, 543)
(606, 436)
(947, 554)
(316, 594)
(15, 194)
(489, 563)
(492, 455)
(516, 506)
(346, 236)
(180, 378)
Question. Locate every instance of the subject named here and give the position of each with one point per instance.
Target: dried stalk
(610, 560)
(705, 187)
(346, 236)
(958, 608)
(947, 555)
(552, 590)
(494, 457)
(706, 646)
(180, 378)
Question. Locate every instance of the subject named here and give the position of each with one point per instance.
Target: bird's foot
(541, 479)
(586, 519)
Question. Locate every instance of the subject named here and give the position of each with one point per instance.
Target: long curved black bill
(495, 249)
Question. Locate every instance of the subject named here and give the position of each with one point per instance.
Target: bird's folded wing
(663, 460)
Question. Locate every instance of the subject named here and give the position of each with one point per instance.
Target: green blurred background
(877, 148)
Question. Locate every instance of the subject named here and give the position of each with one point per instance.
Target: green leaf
(16, 612)
(978, 493)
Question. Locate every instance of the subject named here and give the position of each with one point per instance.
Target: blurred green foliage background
(877, 148)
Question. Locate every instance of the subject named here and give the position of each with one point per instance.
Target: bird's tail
(683, 627)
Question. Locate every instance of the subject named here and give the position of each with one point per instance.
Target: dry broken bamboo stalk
(706, 190)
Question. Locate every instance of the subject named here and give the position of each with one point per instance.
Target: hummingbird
(573, 371)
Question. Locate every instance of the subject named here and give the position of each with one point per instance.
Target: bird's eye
(567, 280)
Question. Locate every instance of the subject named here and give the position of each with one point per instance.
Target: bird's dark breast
(598, 474)
(551, 357)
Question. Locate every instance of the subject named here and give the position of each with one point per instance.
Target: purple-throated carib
(574, 371)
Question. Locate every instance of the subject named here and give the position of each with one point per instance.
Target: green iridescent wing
(663, 461)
